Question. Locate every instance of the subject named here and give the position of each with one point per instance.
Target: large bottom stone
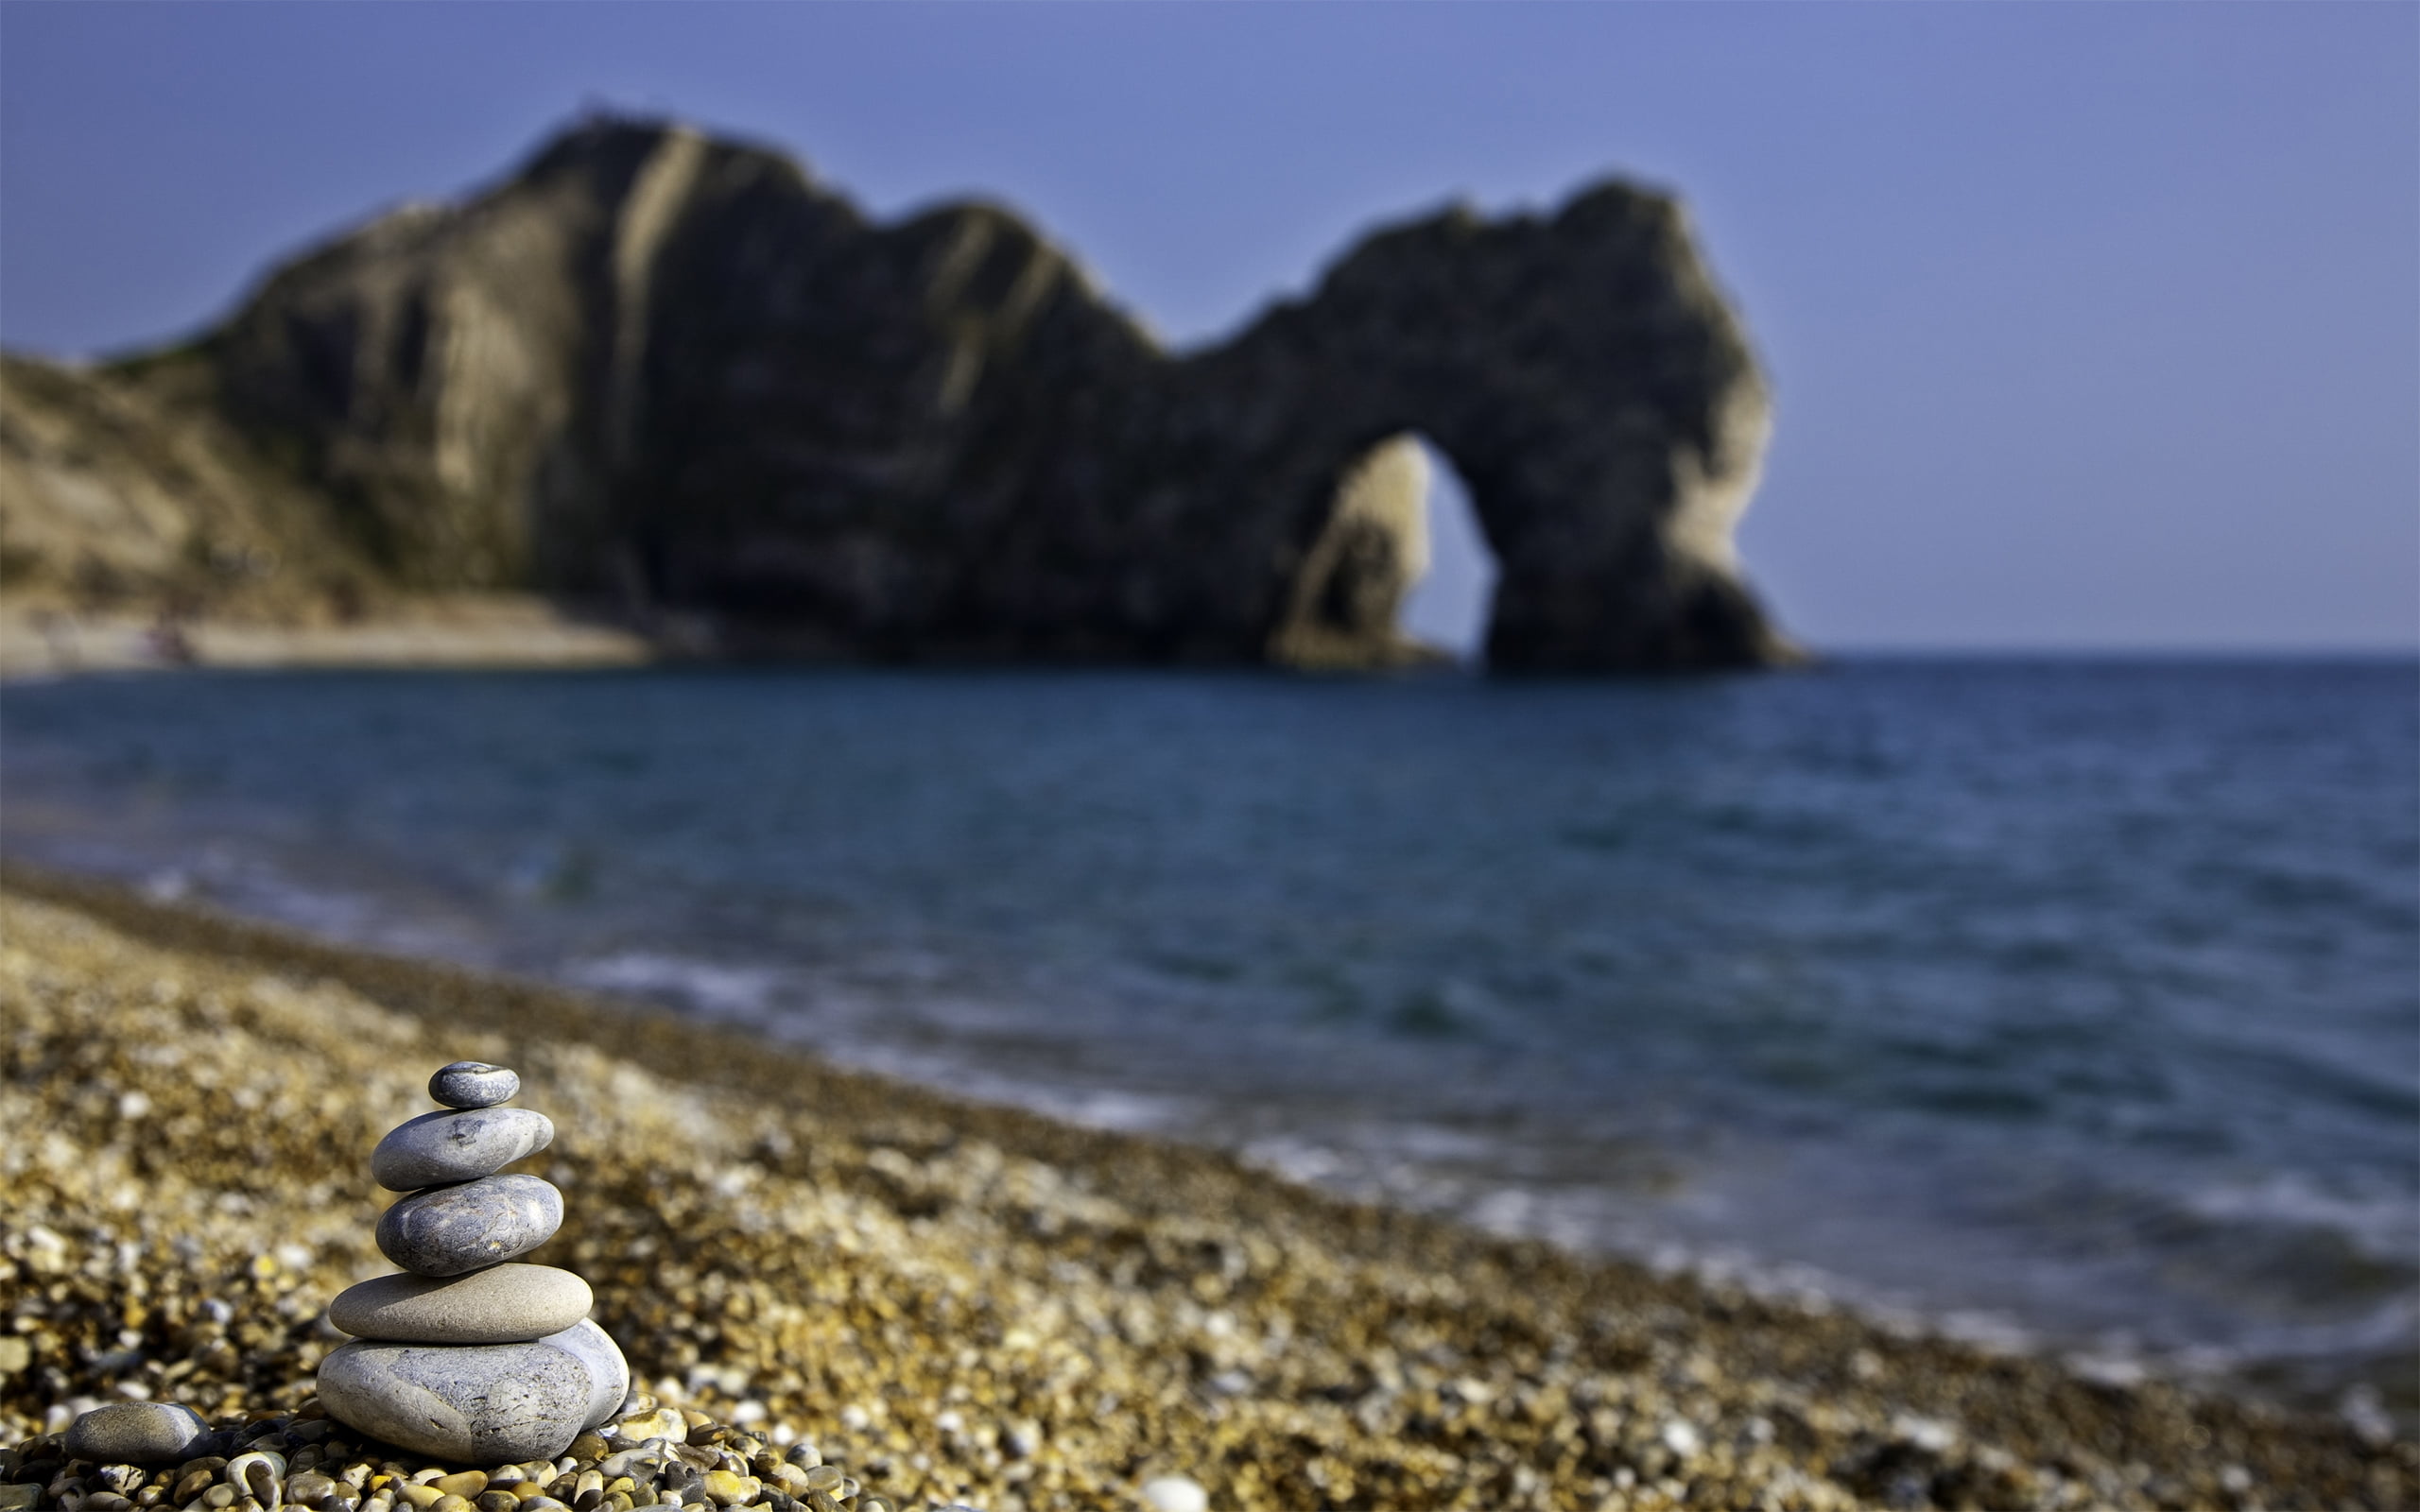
(609, 1374)
(480, 1403)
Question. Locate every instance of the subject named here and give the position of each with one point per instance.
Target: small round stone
(1174, 1493)
(660, 1422)
(473, 1083)
(438, 1148)
(502, 1304)
(258, 1475)
(135, 1433)
(447, 1230)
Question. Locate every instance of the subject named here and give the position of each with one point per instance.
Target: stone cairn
(466, 1355)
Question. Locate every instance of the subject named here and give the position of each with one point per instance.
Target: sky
(2090, 326)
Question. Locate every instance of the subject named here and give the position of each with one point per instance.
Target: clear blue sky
(2092, 325)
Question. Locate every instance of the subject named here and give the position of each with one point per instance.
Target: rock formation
(462, 1354)
(674, 376)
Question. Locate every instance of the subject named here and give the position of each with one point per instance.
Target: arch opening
(1450, 599)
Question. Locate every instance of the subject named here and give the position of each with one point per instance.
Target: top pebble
(473, 1083)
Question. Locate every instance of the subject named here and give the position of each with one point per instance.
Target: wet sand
(960, 1301)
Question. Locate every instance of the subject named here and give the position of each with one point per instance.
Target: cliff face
(672, 375)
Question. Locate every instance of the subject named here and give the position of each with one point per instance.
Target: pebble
(259, 1475)
(437, 1149)
(447, 1230)
(1174, 1493)
(662, 1423)
(135, 1433)
(473, 1083)
(502, 1304)
(476, 1404)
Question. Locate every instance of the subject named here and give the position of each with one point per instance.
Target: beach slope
(960, 1301)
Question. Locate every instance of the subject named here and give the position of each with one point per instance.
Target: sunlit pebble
(1174, 1493)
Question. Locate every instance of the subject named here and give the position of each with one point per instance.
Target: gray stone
(502, 1304)
(476, 1404)
(437, 1149)
(607, 1369)
(135, 1433)
(473, 1083)
(447, 1230)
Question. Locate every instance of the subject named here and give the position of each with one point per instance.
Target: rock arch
(1590, 385)
(1448, 605)
(674, 376)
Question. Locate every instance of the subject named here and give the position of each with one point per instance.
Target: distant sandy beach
(461, 630)
(969, 1303)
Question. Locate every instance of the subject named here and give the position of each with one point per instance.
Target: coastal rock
(481, 1404)
(675, 379)
(502, 1304)
(447, 1230)
(437, 1149)
(135, 1433)
(473, 1083)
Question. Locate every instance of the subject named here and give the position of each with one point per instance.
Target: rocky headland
(828, 1285)
(674, 386)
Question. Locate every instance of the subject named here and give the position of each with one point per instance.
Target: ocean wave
(714, 988)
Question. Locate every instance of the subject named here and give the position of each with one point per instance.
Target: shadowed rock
(675, 376)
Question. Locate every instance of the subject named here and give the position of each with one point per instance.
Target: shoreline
(489, 631)
(1283, 1346)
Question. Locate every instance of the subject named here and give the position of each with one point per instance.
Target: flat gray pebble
(473, 1083)
(501, 1304)
(447, 1230)
(135, 1433)
(438, 1148)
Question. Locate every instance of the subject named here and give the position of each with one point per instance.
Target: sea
(2068, 1006)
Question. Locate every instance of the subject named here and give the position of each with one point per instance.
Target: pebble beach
(833, 1286)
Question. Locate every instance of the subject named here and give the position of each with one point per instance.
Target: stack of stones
(467, 1356)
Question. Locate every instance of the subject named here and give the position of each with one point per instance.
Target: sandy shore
(459, 631)
(959, 1302)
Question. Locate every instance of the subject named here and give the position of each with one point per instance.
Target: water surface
(2072, 1003)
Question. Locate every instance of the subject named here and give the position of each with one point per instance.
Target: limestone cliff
(673, 376)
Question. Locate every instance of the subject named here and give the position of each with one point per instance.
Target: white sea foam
(2386, 1227)
(743, 992)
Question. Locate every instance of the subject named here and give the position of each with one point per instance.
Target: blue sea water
(2072, 1004)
